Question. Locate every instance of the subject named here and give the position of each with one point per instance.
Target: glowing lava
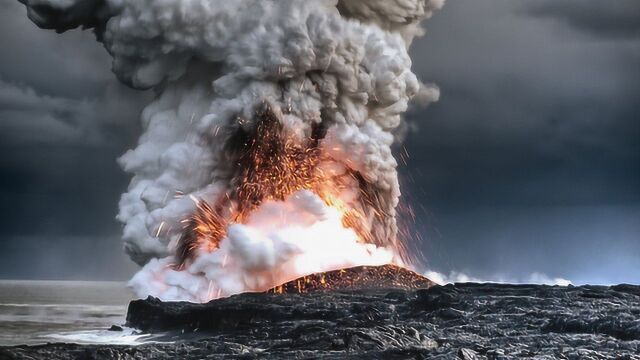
(362, 277)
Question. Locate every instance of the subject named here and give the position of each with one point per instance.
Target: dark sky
(530, 162)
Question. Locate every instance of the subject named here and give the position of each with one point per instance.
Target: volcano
(153, 314)
(357, 278)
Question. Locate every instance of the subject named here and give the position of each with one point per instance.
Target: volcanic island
(379, 312)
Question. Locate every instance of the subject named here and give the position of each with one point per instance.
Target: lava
(361, 277)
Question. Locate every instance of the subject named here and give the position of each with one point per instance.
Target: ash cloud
(213, 64)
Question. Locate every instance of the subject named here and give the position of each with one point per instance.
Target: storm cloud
(619, 18)
(529, 163)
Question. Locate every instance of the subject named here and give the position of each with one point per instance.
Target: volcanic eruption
(266, 154)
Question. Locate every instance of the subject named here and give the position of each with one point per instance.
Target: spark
(160, 228)
(271, 166)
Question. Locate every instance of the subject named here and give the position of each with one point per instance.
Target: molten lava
(361, 277)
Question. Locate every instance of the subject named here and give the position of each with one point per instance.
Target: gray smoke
(343, 64)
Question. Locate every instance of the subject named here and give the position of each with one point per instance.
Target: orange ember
(272, 165)
(361, 277)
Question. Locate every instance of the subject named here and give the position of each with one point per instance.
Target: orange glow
(389, 276)
(272, 165)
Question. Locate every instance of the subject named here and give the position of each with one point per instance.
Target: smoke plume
(270, 136)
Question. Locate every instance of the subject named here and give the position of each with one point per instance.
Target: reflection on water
(36, 312)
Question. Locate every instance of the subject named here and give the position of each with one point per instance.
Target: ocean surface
(38, 312)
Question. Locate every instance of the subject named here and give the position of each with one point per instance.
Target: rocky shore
(462, 321)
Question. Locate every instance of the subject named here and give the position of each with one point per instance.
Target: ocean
(39, 312)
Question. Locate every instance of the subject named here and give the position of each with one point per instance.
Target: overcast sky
(530, 162)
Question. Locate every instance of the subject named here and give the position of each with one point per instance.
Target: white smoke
(265, 251)
(460, 277)
(343, 64)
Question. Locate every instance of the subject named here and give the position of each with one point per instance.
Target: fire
(273, 165)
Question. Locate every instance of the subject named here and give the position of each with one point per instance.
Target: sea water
(38, 312)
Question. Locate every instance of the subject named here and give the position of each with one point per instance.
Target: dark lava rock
(467, 354)
(462, 321)
(115, 328)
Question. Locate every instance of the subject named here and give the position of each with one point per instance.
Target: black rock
(463, 321)
(467, 354)
(115, 328)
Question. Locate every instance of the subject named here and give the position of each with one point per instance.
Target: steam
(341, 66)
(459, 277)
(265, 252)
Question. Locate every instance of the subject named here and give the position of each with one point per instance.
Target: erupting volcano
(266, 155)
(291, 210)
(275, 166)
